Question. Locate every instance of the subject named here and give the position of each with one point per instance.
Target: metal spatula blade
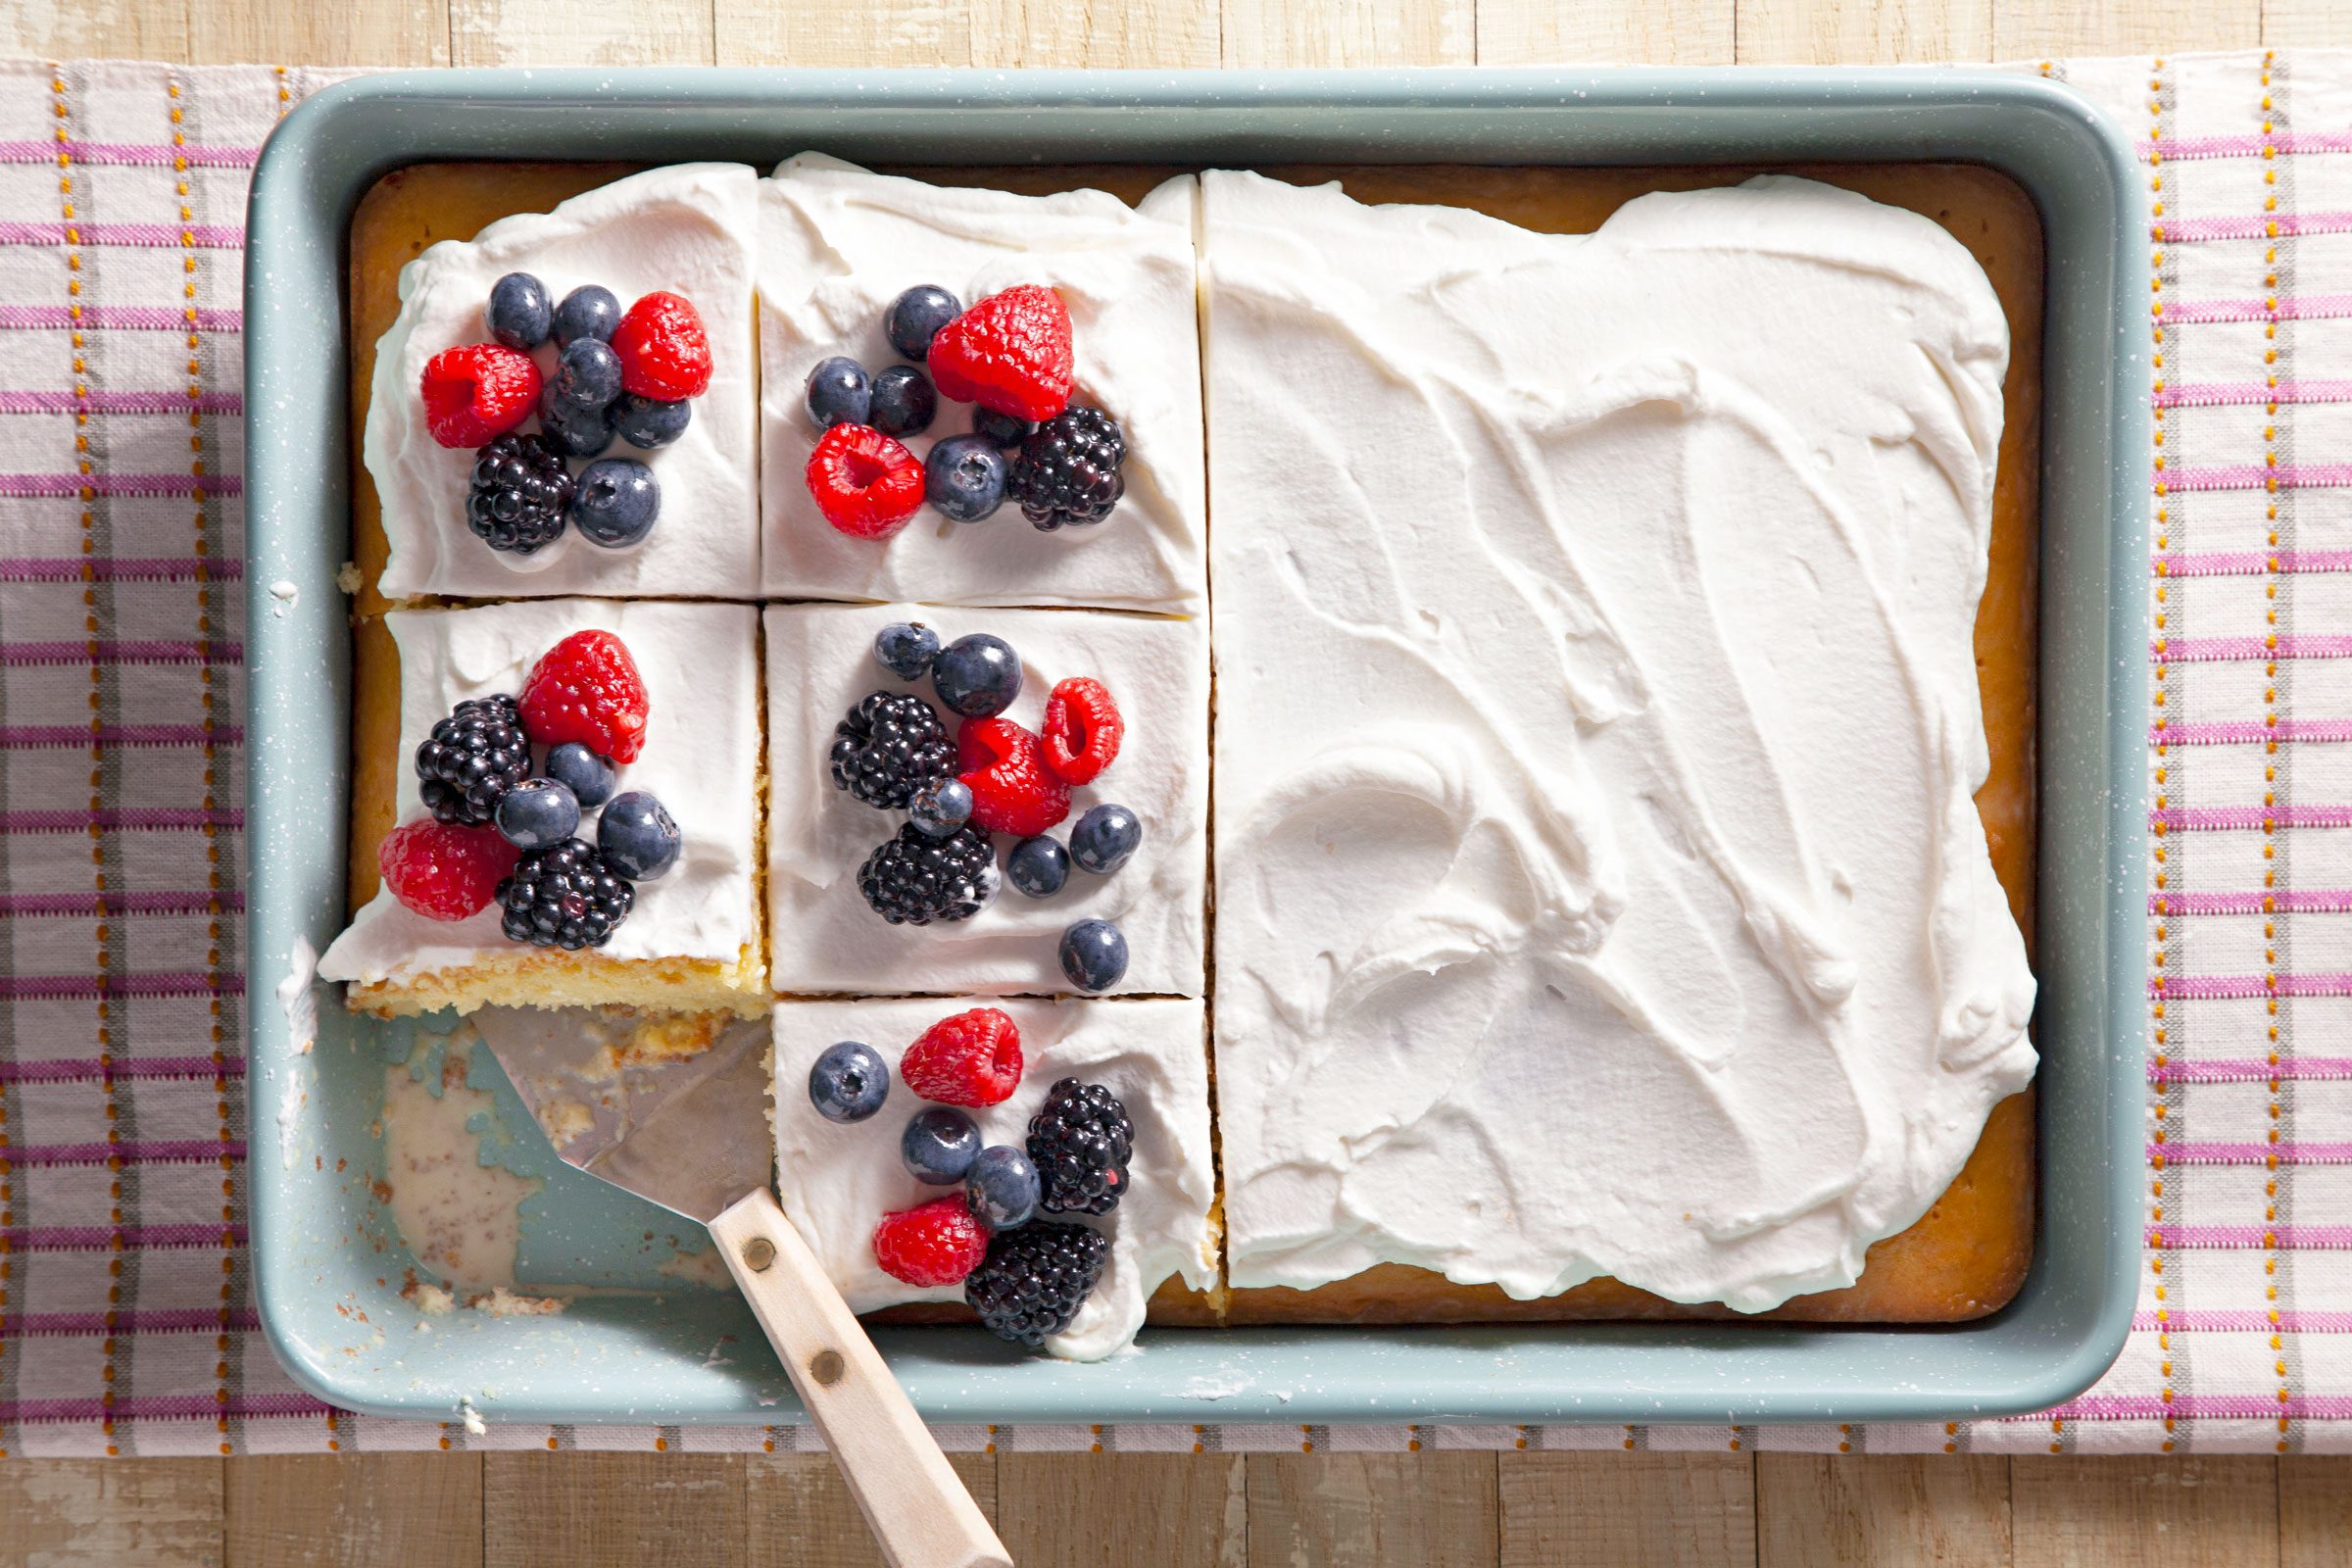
(630, 1101)
(675, 1109)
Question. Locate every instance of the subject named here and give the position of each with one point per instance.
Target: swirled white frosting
(1599, 885)
(687, 229)
(701, 760)
(838, 243)
(822, 935)
(837, 1182)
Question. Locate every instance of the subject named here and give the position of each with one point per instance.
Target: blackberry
(1067, 472)
(1034, 1278)
(471, 758)
(1081, 1143)
(520, 490)
(564, 896)
(914, 879)
(890, 746)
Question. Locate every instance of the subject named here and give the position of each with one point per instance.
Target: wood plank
(565, 33)
(2071, 1512)
(1337, 1510)
(1663, 1511)
(350, 32)
(2315, 1505)
(1139, 1510)
(2306, 24)
(583, 1509)
(63, 1513)
(871, 33)
(1349, 32)
(2047, 30)
(1817, 1510)
(68, 29)
(798, 1512)
(1829, 33)
(362, 1509)
(1094, 33)
(1630, 32)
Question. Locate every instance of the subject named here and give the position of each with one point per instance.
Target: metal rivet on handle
(758, 1253)
(825, 1368)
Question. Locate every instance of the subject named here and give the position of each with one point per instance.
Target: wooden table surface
(457, 1510)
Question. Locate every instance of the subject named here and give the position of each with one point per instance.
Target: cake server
(675, 1111)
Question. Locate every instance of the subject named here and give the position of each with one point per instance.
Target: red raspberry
(475, 394)
(865, 483)
(1083, 731)
(1010, 353)
(665, 353)
(587, 688)
(1005, 766)
(444, 871)
(931, 1244)
(973, 1058)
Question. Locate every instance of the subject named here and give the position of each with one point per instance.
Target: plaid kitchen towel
(126, 1322)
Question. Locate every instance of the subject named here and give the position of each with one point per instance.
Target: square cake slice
(838, 1180)
(826, 937)
(691, 941)
(687, 230)
(838, 244)
(1600, 887)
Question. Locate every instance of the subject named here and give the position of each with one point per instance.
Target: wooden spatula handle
(911, 1498)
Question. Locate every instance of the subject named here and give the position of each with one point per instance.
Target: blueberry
(916, 315)
(588, 373)
(589, 311)
(638, 836)
(848, 1082)
(614, 501)
(905, 648)
(937, 1145)
(978, 676)
(649, 422)
(1038, 867)
(1094, 954)
(940, 809)
(903, 402)
(588, 776)
(964, 477)
(1005, 429)
(572, 430)
(537, 813)
(519, 314)
(839, 393)
(1002, 428)
(1103, 839)
(1002, 1187)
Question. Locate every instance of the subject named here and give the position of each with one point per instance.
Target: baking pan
(327, 1265)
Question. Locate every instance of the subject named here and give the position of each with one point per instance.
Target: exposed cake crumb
(503, 1302)
(427, 1298)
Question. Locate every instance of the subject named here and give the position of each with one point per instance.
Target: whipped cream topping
(701, 760)
(838, 244)
(687, 229)
(837, 1182)
(823, 936)
(1600, 889)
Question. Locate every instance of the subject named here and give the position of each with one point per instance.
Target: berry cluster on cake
(1047, 1163)
(799, 607)
(607, 343)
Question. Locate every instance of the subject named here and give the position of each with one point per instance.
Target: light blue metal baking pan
(635, 1356)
